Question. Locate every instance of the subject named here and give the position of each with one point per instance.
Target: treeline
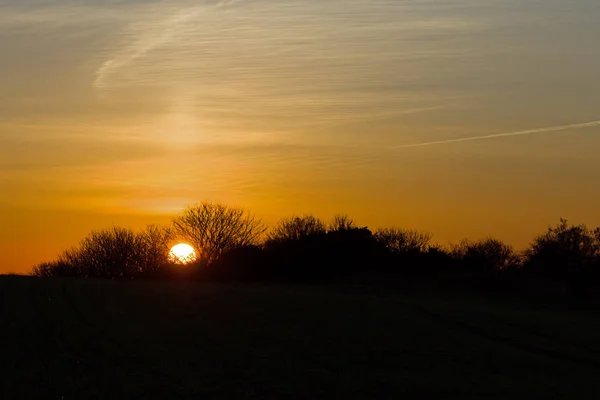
(234, 245)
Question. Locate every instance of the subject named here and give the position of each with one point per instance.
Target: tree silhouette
(214, 229)
(306, 249)
(154, 248)
(296, 228)
(488, 254)
(398, 241)
(49, 269)
(565, 253)
(342, 222)
(113, 253)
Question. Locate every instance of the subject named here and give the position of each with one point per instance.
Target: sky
(464, 118)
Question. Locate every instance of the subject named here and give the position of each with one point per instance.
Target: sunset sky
(124, 112)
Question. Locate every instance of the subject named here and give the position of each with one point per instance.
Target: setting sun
(182, 254)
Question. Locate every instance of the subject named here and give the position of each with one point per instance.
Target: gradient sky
(124, 112)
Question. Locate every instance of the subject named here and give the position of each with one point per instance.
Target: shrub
(341, 222)
(398, 241)
(564, 252)
(488, 254)
(112, 253)
(296, 228)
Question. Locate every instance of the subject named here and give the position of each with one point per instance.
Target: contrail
(139, 49)
(506, 134)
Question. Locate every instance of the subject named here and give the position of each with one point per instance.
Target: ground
(78, 339)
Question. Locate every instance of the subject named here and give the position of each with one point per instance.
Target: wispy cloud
(501, 135)
(172, 27)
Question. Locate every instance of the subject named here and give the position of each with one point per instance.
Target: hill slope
(98, 339)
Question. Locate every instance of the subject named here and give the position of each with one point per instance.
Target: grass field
(77, 339)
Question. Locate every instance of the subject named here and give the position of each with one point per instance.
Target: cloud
(501, 135)
(172, 27)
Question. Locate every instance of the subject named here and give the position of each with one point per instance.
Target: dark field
(76, 339)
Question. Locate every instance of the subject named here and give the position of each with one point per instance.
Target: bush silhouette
(296, 228)
(307, 249)
(566, 253)
(54, 269)
(113, 253)
(398, 241)
(564, 249)
(241, 264)
(341, 222)
(487, 254)
(154, 247)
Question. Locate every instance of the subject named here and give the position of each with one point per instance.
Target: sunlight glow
(182, 254)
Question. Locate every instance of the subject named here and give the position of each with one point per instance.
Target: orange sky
(126, 113)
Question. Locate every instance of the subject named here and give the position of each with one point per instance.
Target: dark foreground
(76, 339)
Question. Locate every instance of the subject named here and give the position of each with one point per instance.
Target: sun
(182, 254)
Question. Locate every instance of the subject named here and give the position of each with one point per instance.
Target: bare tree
(45, 269)
(342, 222)
(110, 253)
(153, 249)
(295, 228)
(399, 240)
(214, 229)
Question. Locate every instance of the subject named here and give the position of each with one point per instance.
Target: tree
(296, 228)
(214, 229)
(45, 269)
(489, 254)
(111, 253)
(154, 249)
(341, 222)
(564, 252)
(398, 241)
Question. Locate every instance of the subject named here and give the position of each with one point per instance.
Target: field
(75, 339)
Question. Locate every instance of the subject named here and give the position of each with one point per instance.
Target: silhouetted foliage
(563, 249)
(296, 228)
(303, 249)
(112, 253)
(306, 249)
(241, 264)
(487, 254)
(48, 269)
(214, 229)
(154, 248)
(566, 253)
(341, 222)
(397, 240)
